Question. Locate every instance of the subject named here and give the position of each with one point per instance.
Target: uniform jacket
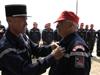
(47, 36)
(35, 35)
(98, 35)
(2, 31)
(92, 35)
(91, 40)
(76, 60)
(15, 56)
(86, 35)
(57, 37)
(98, 40)
(81, 32)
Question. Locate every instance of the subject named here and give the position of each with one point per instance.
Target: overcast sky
(44, 11)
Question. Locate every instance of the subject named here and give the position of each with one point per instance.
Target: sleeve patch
(78, 47)
(79, 62)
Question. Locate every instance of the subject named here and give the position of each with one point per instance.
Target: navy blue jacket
(92, 35)
(3, 31)
(98, 40)
(35, 35)
(15, 56)
(91, 40)
(76, 60)
(81, 32)
(57, 37)
(47, 36)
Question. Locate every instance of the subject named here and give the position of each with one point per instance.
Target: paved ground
(95, 70)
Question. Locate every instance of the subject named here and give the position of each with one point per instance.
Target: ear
(10, 20)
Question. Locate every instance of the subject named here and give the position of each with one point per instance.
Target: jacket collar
(11, 38)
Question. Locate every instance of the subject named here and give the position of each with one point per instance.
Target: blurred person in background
(81, 30)
(98, 43)
(91, 34)
(2, 30)
(47, 34)
(57, 37)
(35, 34)
(86, 29)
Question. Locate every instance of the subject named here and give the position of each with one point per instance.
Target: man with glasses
(76, 60)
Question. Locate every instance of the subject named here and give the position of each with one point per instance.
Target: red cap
(68, 15)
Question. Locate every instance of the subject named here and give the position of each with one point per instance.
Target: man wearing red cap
(76, 60)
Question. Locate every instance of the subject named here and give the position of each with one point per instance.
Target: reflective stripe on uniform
(8, 50)
(79, 47)
(77, 54)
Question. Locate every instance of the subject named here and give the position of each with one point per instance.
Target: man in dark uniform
(57, 37)
(91, 34)
(85, 33)
(35, 34)
(16, 48)
(2, 30)
(47, 34)
(76, 60)
(98, 43)
(81, 30)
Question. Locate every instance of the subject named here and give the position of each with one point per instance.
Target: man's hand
(58, 53)
(54, 46)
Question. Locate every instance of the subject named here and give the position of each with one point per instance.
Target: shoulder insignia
(78, 47)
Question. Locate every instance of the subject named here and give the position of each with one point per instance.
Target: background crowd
(48, 35)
